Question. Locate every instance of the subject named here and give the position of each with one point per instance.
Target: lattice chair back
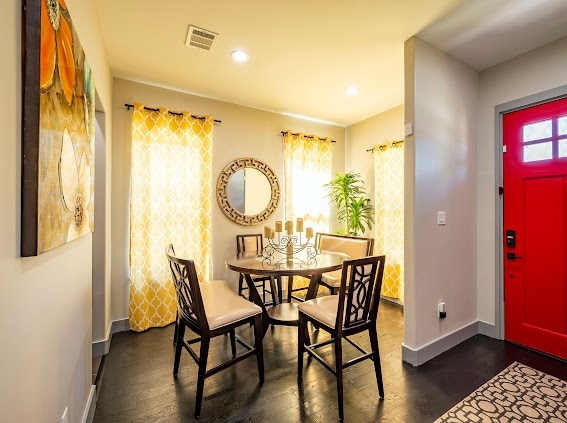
(189, 301)
(359, 293)
(250, 243)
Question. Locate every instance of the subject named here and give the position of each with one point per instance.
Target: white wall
(539, 70)
(382, 128)
(441, 102)
(243, 132)
(45, 305)
(100, 281)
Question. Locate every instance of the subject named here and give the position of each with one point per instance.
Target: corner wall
(441, 103)
(243, 132)
(45, 306)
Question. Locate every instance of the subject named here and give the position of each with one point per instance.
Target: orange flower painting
(58, 135)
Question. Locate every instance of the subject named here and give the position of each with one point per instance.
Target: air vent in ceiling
(200, 38)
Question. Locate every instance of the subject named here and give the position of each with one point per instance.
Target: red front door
(535, 227)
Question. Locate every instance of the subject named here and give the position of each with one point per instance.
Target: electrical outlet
(65, 416)
(441, 310)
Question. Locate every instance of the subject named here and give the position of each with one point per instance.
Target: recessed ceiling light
(239, 56)
(352, 91)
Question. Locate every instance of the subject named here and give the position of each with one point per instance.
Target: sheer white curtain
(307, 166)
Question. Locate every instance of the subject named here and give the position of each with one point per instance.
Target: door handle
(512, 256)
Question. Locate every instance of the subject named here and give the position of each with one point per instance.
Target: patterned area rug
(517, 394)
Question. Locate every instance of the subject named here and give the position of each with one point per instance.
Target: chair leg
(289, 288)
(176, 327)
(233, 342)
(279, 288)
(264, 291)
(302, 329)
(376, 359)
(180, 333)
(258, 335)
(339, 369)
(204, 354)
(240, 283)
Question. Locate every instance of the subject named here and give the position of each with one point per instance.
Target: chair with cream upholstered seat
(353, 310)
(210, 309)
(354, 247)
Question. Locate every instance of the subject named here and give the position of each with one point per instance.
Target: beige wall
(540, 70)
(379, 129)
(243, 132)
(441, 103)
(45, 306)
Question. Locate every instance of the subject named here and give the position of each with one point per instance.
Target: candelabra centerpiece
(285, 245)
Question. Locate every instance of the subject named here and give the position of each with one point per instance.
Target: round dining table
(283, 313)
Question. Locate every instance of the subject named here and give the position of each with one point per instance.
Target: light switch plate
(408, 129)
(441, 218)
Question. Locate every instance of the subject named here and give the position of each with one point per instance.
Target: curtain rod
(384, 146)
(129, 106)
(306, 136)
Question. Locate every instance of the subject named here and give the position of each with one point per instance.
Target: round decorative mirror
(248, 191)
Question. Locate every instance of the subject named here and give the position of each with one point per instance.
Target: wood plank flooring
(138, 385)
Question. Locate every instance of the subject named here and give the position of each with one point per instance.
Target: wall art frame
(58, 113)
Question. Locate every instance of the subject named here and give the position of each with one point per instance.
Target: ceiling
(303, 55)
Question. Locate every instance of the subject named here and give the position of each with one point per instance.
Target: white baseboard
(102, 347)
(417, 357)
(122, 325)
(88, 414)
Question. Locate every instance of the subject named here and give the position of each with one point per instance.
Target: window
(545, 140)
(307, 166)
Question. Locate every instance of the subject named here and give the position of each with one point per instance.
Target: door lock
(510, 238)
(512, 256)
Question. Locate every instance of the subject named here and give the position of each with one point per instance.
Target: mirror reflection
(249, 191)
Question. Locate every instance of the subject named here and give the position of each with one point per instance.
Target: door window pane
(562, 125)
(535, 152)
(537, 131)
(563, 148)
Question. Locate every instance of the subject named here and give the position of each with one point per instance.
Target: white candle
(289, 227)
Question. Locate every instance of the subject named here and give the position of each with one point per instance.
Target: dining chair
(352, 246)
(252, 243)
(353, 310)
(210, 309)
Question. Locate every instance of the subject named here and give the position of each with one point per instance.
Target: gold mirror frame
(222, 185)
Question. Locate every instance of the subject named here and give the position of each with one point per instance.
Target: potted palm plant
(347, 192)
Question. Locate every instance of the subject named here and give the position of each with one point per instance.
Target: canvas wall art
(57, 130)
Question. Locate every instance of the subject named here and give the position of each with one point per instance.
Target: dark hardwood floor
(138, 385)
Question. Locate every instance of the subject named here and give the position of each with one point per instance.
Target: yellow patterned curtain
(389, 213)
(170, 201)
(307, 166)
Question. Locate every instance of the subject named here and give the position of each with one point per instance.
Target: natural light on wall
(307, 166)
